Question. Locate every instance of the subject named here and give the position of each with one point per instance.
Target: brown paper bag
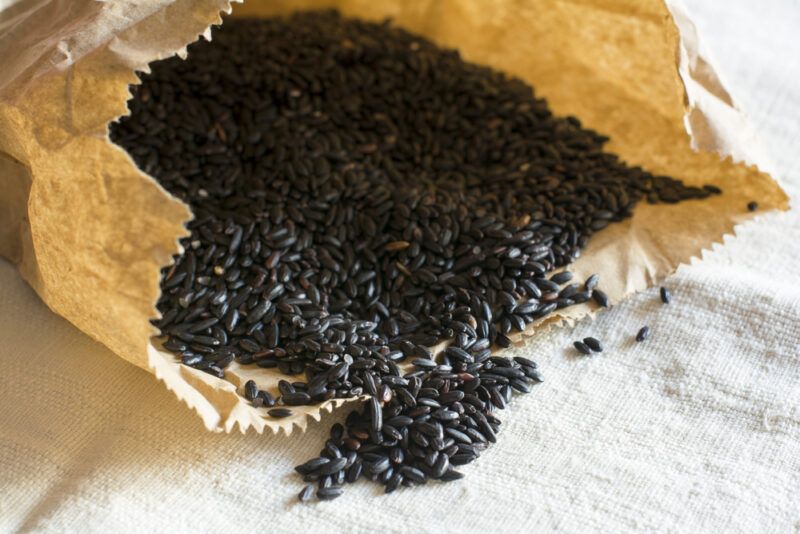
(89, 231)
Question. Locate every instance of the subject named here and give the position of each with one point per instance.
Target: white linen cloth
(695, 430)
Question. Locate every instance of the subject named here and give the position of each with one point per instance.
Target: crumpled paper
(89, 231)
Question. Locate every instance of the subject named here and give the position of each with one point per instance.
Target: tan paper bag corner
(90, 232)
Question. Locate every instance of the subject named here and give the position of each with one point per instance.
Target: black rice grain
(306, 493)
(666, 296)
(250, 390)
(593, 343)
(591, 282)
(643, 333)
(582, 347)
(600, 297)
(329, 493)
(279, 413)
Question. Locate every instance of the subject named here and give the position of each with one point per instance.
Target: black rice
(279, 413)
(329, 493)
(593, 343)
(666, 296)
(643, 333)
(582, 347)
(306, 493)
(359, 196)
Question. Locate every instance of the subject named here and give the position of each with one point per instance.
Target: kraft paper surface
(90, 232)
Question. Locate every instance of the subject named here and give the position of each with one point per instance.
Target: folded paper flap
(713, 120)
(697, 65)
(101, 229)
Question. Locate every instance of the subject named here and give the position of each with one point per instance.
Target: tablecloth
(695, 430)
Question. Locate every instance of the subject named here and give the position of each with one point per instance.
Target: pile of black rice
(361, 195)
